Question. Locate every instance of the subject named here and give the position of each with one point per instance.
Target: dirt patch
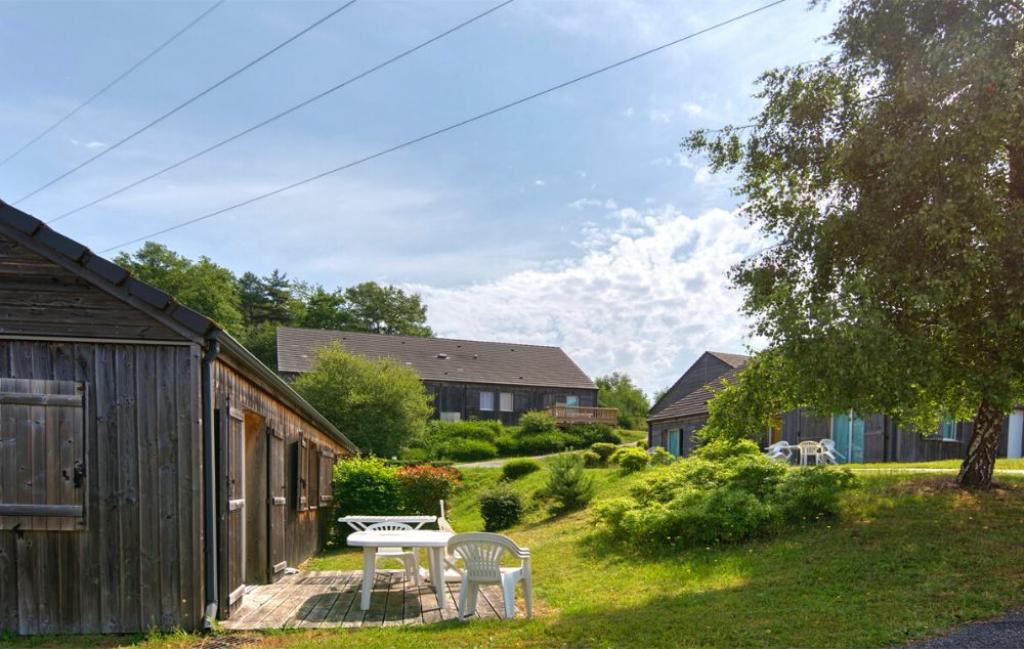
(228, 641)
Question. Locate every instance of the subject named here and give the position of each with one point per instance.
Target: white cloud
(539, 183)
(691, 108)
(584, 203)
(92, 144)
(646, 296)
(628, 112)
(702, 175)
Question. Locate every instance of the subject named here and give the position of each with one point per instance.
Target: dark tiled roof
(696, 402)
(441, 359)
(156, 303)
(734, 360)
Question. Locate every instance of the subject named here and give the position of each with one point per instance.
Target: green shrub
(425, 486)
(603, 449)
(641, 443)
(515, 469)
(467, 450)
(500, 508)
(592, 460)
(699, 501)
(583, 435)
(810, 494)
(366, 486)
(414, 455)
(540, 443)
(630, 460)
(722, 448)
(661, 457)
(568, 484)
(536, 422)
(475, 429)
(507, 444)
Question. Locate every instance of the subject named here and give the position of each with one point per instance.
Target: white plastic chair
(408, 557)
(829, 453)
(481, 554)
(779, 451)
(452, 572)
(809, 447)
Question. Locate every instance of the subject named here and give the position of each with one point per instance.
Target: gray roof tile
(441, 359)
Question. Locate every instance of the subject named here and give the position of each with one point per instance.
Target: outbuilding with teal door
(848, 434)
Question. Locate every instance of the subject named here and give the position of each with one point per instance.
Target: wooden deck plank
(332, 599)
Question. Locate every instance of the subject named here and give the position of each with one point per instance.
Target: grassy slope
(909, 559)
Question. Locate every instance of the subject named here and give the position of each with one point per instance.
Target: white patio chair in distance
(779, 451)
(809, 447)
(829, 452)
(481, 554)
(408, 557)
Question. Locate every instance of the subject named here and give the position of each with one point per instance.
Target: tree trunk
(976, 470)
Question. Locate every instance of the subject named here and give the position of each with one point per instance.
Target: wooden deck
(331, 599)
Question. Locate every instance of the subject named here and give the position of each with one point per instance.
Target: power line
(113, 83)
(192, 99)
(450, 127)
(283, 113)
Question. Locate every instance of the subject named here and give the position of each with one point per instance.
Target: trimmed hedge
(501, 508)
(516, 469)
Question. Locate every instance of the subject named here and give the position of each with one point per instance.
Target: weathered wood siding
(138, 562)
(706, 369)
(464, 398)
(657, 433)
(41, 298)
(303, 533)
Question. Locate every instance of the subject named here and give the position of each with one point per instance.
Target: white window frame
(506, 401)
(490, 401)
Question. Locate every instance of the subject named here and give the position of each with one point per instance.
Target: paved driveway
(1006, 632)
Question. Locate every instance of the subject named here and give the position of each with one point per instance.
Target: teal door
(673, 442)
(850, 446)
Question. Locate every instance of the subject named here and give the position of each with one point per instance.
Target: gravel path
(1006, 632)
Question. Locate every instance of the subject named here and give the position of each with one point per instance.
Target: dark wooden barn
(468, 379)
(676, 418)
(150, 466)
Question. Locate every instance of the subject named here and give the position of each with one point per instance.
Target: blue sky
(571, 220)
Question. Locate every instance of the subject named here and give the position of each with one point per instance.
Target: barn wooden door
(276, 503)
(231, 501)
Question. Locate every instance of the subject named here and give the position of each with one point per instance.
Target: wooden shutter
(326, 473)
(231, 505)
(276, 501)
(42, 455)
(302, 474)
(313, 476)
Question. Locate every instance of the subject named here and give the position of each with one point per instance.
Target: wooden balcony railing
(564, 414)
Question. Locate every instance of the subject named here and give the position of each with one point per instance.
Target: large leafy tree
(617, 390)
(203, 285)
(378, 404)
(891, 176)
(386, 310)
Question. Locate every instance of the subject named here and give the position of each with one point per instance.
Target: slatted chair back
(389, 526)
(481, 554)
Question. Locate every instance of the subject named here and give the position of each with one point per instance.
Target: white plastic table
(434, 541)
(360, 523)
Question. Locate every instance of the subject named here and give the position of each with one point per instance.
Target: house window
(487, 401)
(42, 455)
(947, 429)
(505, 402)
(572, 401)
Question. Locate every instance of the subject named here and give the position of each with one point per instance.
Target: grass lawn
(1002, 464)
(910, 558)
(630, 436)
